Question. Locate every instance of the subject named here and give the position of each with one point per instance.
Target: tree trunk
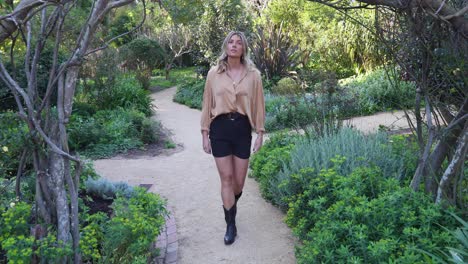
(56, 190)
(455, 165)
(167, 70)
(56, 173)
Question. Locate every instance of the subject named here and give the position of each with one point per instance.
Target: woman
(233, 104)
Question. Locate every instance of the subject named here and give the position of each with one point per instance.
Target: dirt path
(189, 180)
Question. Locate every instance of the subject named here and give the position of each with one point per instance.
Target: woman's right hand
(206, 143)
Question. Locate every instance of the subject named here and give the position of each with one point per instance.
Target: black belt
(231, 116)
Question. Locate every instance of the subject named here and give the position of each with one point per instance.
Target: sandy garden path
(189, 181)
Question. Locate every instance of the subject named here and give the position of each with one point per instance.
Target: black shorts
(231, 134)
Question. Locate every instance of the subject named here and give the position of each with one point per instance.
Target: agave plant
(273, 50)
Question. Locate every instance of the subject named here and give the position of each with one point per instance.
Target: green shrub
(136, 223)
(150, 131)
(269, 83)
(376, 92)
(92, 235)
(354, 147)
(300, 112)
(191, 93)
(18, 243)
(289, 112)
(99, 72)
(142, 55)
(126, 93)
(13, 139)
(84, 109)
(287, 86)
(270, 159)
(14, 233)
(169, 144)
(178, 76)
(111, 131)
(364, 216)
(405, 147)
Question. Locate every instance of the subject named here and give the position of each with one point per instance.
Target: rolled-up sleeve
(259, 110)
(207, 105)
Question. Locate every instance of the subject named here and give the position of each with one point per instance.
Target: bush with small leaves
(363, 216)
(142, 55)
(287, 86)
(356, 150)
(18, 243)
(191, 93)
(269, 159)
(92, 235)
(111, 131)
(136, 223)
(376, 91)
(13, 139)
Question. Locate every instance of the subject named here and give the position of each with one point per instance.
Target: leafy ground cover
(346, 199)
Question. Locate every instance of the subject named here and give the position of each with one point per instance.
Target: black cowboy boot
(231, 230)
(237, 196)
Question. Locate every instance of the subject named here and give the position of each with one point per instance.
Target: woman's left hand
(258, 143)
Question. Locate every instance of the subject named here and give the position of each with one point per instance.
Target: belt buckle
(231, 116)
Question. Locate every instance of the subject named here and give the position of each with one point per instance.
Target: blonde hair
(221, 63)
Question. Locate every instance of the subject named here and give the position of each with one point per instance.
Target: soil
(157, 149)
(96, 203)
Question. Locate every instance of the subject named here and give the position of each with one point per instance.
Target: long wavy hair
(221, 63)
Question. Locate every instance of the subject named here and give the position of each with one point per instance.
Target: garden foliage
(344, 198)
(111, 131)
(356, 150)
(270, 159)
(191, 93)
(362, 217)
(378, 91)
(20, 245)
(137, 219)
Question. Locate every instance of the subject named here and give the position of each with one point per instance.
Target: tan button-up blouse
(223, 95)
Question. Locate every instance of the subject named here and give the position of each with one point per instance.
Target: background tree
(142, 55)
(220, 17)
(42, 24)
(427, 39)
(177, 41)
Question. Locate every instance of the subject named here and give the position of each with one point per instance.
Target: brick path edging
(167, 241)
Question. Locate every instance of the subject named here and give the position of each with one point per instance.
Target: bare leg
(225, 169)
(240, 172)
